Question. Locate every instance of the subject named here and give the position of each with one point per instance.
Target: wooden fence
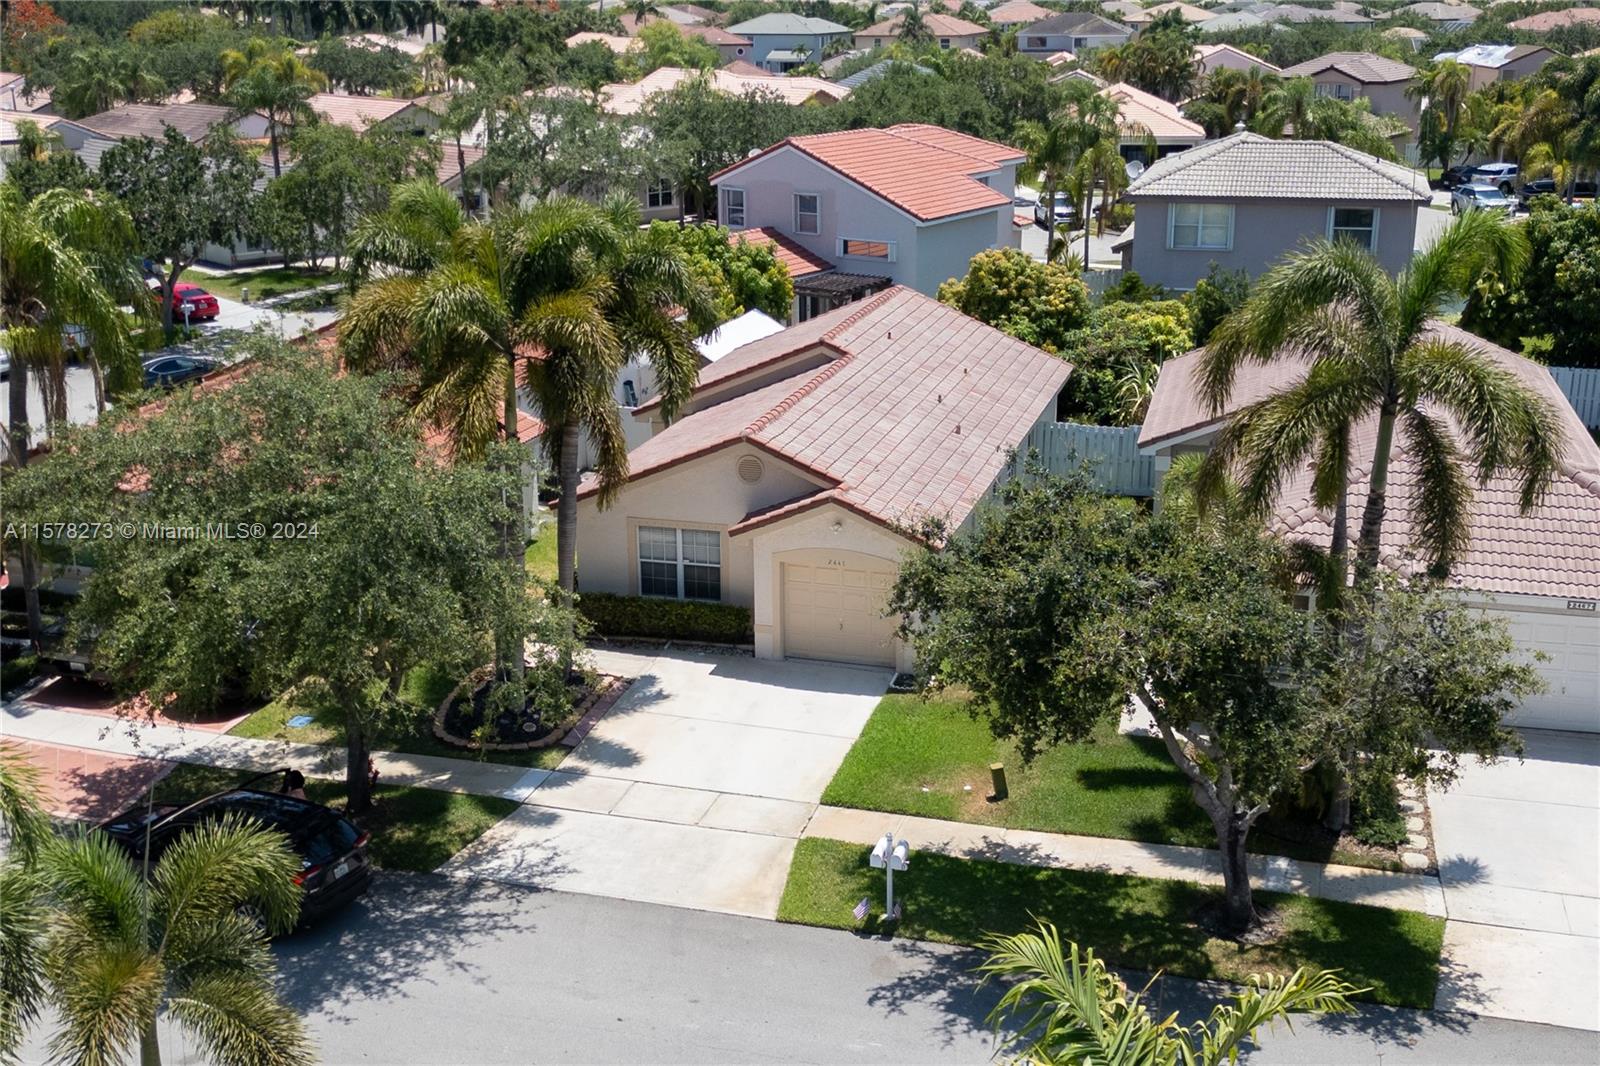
(1111, 452)
(1582, 386)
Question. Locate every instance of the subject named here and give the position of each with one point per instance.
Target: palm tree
(99, 78)
(1374, 356)
(27, 831)
(124, 945)
(1066, 1007)
(65, 260)
(562, 291)
(1444, 86)
(1050, 155)
(1288, 106)
(273, 80)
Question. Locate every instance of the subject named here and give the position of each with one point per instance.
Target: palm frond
(22, 954)
(106, 994)
(240, 1022)
(1443, 494)
(22, 816)
(1475, 245)
(219, 865)
(1263, 1002)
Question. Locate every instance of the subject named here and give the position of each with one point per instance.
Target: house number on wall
(1582, 605)
(835, 562)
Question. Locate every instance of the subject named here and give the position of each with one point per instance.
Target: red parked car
(204, 304)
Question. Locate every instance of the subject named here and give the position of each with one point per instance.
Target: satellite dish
(1134, 168)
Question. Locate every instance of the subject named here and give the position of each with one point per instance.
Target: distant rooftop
(1365, 67)
(784, 22)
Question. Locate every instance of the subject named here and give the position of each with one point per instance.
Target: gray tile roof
(194, 121)
(1299, 13)
(783, 22)
(878, 70)
(1362, 66)
(1076, 24)
(1247, 166)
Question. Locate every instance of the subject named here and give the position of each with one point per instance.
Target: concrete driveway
(693, 789)
(1519, 859)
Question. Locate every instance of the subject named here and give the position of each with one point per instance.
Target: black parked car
(167, 371)
(333, 850)
(1547, 187)
(1460, 174)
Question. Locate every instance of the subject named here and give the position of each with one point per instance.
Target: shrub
(1039, 303)
(639, 616)
(17, 671)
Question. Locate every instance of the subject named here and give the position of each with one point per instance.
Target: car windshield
(1491, 194)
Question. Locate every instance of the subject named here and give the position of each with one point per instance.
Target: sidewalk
(1168, 862)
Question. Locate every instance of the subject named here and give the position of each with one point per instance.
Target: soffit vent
(750, 469)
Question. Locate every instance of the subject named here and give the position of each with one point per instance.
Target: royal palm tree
(1444, 86)
(1051, 155)
(273, 80)
(65, 261)
(560, 293)
(1287, 107)
(98, 78)
(184, 938)
(1066, 1007)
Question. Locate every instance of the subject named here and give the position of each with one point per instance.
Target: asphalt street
(430, 969)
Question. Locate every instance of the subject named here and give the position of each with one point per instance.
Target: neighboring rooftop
(799, 262)
(1189, 12)
(784, 23)
(1076, 24)
(194, 121)
(12, 98)
(1346, 14)
(1233, 20)
(1493, 55)
(937, 23)
(925, 171)
(1204, 52)
(1017, 12)
(878, 70)
(615, 42)
(449, 167)
(356, 112)
(1365, 67)
(736, 333)
(628, 98)
(906, 408)
(1142, 114)
(1252, 167)
(1552, 551)
(1438, 12)
(1546, 21)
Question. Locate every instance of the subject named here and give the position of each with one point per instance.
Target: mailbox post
(889, 856)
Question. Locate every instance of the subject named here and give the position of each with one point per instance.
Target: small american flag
(895, 916)
(861, 908)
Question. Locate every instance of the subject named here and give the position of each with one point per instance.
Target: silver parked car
(1480, 198)
(1063, 211)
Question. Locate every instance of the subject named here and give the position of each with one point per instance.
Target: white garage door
(833, 609)
(1572, 641)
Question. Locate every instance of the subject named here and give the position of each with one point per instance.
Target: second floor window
(1337, 90)
(659, 193)
(1359, 224)
(733, 208)
(866, 249)
(807, 212)
(1200, 226)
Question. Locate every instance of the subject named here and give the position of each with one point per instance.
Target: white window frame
(659, 193)
(1338, 90)
(677, 563)
(727, 208)
(1376, 215)
(1172, 218)
(817, 196)
(944, 42)
(869, 258)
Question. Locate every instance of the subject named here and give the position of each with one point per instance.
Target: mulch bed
(460, 716)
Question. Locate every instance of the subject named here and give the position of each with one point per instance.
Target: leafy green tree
(741, 275)
(122, 948)
(1068, 1008)
(1213, 298)
(563, 143)
(43, 163)
(664, 45)
(268, 77)
(1041, 303)
(589, 66)
(363, 70)
(1549, 307)
(1117, 356)
(185, 48)
(97, 78)
(181, 197)
(532, 36)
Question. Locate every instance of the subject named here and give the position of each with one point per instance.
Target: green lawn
(263, 284)
(1130, 921)
(412, 828)
(916, 756)
(541, 554)
(423, 690)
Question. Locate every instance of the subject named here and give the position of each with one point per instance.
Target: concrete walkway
(1168, 862)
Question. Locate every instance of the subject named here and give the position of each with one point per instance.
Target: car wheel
(1505, 187)
(252, 913)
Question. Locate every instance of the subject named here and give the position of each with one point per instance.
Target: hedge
(16, 670)
(637, 616)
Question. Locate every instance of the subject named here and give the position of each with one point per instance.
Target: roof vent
(749, 469)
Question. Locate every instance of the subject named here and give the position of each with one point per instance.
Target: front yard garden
(263, 284)
(1133, 922)
(412, 828)
(930, 757)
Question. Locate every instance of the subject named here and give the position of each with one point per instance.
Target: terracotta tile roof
(745, 69)
(1140, 113)
(1552, 551)
(1189, 12)
(912, 412)
(628, 98)
(1364, 67)
(1016, 12)
(715, 35)
(356, 112)
(1204, 52)
(1249, 166)
(799, 261)
(938, 24)
(1550, 20)
(925, 171)
(616, 42)
(450, 166)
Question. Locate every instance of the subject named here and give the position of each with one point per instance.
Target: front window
(867, 249)
(683, 564)
(733, 208)
(944, 42)
(1201, 226)
(807, 212)
(1337, 90)
(1035, 42)
(659, 193)
(1358, 224)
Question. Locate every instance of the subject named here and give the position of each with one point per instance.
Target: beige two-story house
(1382, 82)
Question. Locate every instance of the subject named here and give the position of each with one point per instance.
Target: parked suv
(1063, 212)
(1460, 174)
(1479, 198)
(1547, 187)
(1502, 176)
(333, 850)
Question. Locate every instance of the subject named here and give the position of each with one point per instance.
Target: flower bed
(461, 713)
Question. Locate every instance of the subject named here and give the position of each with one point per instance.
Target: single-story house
(878, 70)
(794, 478)
(782, 40)
(13, 98)
(1500, 62)
(1214, 57)
(1074, 31)
(1414, 37)
(1188, 12)
(360, 112)
(1352, 75)
(1143, 117)
(1343, 12)
(1545, 21)
(948, 30)
(1016, 13)
(1539, 572)
(1243, 201)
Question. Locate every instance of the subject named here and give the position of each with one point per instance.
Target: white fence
(1112, 453)
(1099, 280)
(1582, 387)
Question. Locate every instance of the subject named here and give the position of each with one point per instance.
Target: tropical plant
(183, 938)
(27, 832)
(1444, 86)
(270, 78)
(1067, 1008)
(97, 78)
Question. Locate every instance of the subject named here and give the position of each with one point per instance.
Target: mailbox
(900, 856)
(880, 851)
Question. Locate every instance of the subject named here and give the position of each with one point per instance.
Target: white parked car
(1480, 198)
(1064, 213)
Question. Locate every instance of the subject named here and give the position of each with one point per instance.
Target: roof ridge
(805, 389)
(1368, 161)
(863, 308)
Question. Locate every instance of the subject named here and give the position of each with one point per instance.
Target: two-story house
(1244, 201)
(908, 205)
(1489, 63)
(1209, 58)
(1144, 118)
(782, 40)
(948, 30)
(1382, 82)
(1074, 31)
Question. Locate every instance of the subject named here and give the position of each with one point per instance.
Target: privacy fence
(1110, 452)
(1582, 386)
